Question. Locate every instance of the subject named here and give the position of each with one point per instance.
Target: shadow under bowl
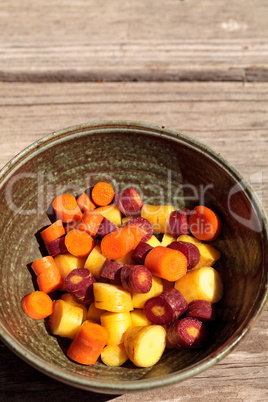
(168, 168)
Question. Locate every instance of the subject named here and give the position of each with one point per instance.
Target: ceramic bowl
(169, 168)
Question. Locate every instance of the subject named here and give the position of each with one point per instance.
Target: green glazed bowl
(169, 168)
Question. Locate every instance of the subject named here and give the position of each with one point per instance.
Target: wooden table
(199, 67)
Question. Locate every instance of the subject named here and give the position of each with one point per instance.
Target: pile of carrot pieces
(120, 273)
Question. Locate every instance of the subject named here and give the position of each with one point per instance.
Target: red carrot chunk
(129, 201)
(79, 283)
(190, 251)
(88, 343)
(140, 252)
(166, 307)
(102, 194)
(203, 310)
(204, 223)
(187, 333)
(136, 278)
(110, 269)
(178, 223)
(144, 224)
(37, 305)
(56, 247)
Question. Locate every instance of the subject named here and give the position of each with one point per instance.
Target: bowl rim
(168, 379)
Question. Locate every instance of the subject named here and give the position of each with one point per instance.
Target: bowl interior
(167, 168)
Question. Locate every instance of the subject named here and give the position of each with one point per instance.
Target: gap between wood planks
(254, 74)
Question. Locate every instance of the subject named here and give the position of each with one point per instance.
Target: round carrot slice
(204, 223)
(79, 243)
(37, 305)
(102, 194)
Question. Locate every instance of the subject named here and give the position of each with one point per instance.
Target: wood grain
(230, 117)
(138, 40)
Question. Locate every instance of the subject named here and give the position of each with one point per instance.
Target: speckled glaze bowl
(168, 167)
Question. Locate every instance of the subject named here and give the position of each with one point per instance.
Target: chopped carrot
(204, 223)
(102, 194)
(53, 232)
(79, 243)
(88, 343)
(166, 263)
(42, 264)
(37, 305)
(85, 203)
(50, 279)
(90, 222)
(137, 231)
(117, 244)
(66, 208)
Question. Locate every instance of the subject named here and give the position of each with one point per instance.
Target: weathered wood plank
(141, 40)
(230, 117)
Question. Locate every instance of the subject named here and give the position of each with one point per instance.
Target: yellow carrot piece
(116, 324)
(95, 261)
(94, 313)
(112, 298)
(112, 213)
(66, 319)
(70, 299)
(145, 345)
(158, 216)
(114, 355)
(154, 242)
(167, 239)
(139, 318)
(203, 283)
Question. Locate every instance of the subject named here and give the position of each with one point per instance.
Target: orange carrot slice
(117, 244)
(79, 243)
(85, 203)
(88, 343)
(37, 305)
(42, 264)
(66, 208)
(166, 263)
(204, 223)
(53, 232)
(102, 194)
(49, 280)
(90, 222)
